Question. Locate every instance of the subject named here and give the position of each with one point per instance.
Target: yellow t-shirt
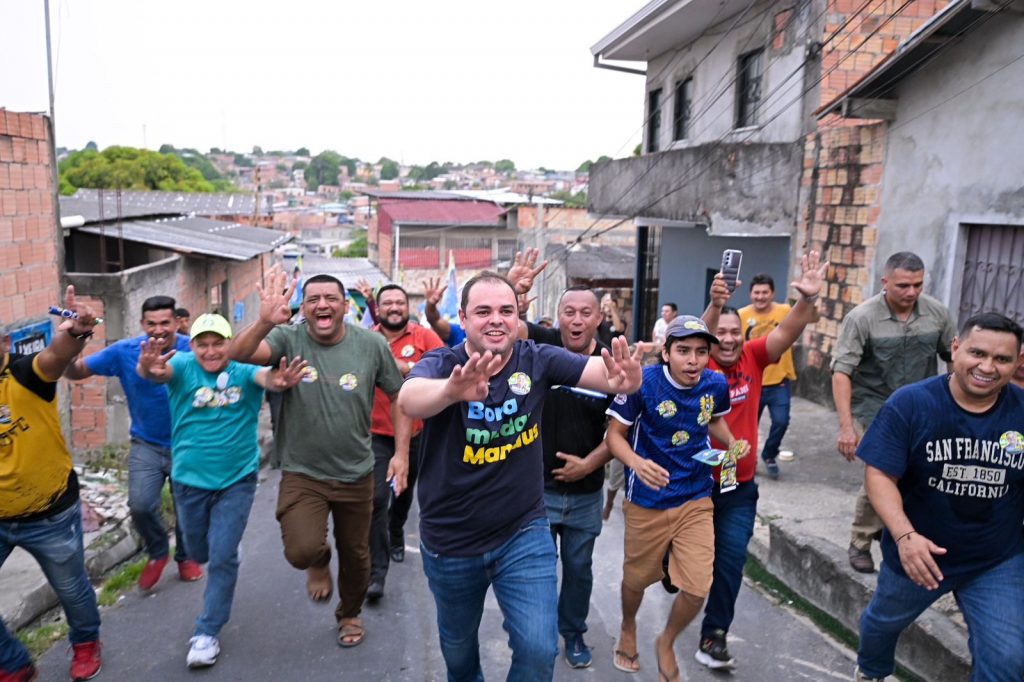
(35, 465)
(755, 325)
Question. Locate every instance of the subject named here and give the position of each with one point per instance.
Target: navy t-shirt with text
(961, 474)
(481, 475)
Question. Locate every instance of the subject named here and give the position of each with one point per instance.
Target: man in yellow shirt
(759, 319)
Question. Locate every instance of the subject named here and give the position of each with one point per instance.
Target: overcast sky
(415, 81)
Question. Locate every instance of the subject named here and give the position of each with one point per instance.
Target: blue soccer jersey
(669, 425)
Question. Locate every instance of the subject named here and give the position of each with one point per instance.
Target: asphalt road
(276, 633)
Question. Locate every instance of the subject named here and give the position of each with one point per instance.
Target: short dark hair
(992, 322)
(158, 303)
(729, 310)
(579, 287)
(323, 279)
(673, 306)
(182, 312)
(904, 260)
(392, 287)
(762, 278)
(485, 276)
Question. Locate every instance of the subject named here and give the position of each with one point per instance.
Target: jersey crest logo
(620, 398)
(707, 409)
(667, 409)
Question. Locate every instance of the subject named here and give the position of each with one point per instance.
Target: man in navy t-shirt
(149, 458)
(656, 433)
(481, 487)
(945, 472)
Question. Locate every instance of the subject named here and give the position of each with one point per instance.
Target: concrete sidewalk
(804, 531)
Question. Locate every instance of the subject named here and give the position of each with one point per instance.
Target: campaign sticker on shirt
(309, 375)
(620, 398)
(348, 382)
(667, 409)
(222, 381)
(519, 383)
(707, 409)
(680, 438)
(408, 350)
(1012, 442)
(5, 414)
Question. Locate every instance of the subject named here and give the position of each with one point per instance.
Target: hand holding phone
(731, 261)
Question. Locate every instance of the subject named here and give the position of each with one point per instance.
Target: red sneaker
(85, 663)
(189, 571)
(26, 673)
(151, 573)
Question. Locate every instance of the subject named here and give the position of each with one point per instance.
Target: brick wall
(89, 397)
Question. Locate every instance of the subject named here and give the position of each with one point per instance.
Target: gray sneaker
(204, 651)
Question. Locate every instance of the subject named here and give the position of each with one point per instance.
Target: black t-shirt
(481, 463)
(574, 422)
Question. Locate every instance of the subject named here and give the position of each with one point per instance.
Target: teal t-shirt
(213, 421)
(324, 429)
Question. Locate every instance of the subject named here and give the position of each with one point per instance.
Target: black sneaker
(713, 652)
(375, 591)
(666, 581)
(773, 469)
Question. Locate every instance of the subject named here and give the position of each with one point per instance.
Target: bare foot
(606, 513)
(668, 668)
(627, 659)
(318, 583)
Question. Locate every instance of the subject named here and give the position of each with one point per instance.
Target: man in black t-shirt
(481, 494)
(574, 460)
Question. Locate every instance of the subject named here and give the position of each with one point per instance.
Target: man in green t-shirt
(322, 443)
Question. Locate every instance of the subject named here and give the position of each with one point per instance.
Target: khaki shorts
(686, 532)
(614, 475)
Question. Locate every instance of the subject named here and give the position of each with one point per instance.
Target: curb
(932, 648)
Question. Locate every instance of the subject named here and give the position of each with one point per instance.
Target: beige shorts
(614, 475)
(686, 532)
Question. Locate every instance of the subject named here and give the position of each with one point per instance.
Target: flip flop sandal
(350, 630)
(631, 658)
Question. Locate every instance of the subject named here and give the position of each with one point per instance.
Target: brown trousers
(303, 504)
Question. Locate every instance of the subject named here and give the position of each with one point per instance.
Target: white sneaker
(203, 652)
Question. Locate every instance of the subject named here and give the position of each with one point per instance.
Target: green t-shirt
(324, 429)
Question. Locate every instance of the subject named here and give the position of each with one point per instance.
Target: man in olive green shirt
(888, 341)
(322, 443)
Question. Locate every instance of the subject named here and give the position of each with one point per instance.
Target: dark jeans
(213, 522)
(576, 519)
(383, 524)
(148, 467)
(56, 543)
(776, 399)
(734, 524)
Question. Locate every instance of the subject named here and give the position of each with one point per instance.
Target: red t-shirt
(408, 348)
(744, 379)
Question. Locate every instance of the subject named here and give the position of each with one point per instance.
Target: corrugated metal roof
(418, 195)
(217, 238)
(348, 270)
(155, 203)
(89, 209)
(443, 212)
(600, 261)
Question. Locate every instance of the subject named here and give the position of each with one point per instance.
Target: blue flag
(449, 306)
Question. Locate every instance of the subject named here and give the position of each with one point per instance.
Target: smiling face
(324, 306)
(730, 340)
(983, 362)
(211, 351)
(761, 296)
(686, 359)
(579, 314)
(490, 317)
(160, 326)
(393, 310)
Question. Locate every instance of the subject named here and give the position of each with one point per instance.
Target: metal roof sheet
(156, 203)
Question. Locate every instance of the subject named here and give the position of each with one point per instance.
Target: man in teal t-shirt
(215, 404)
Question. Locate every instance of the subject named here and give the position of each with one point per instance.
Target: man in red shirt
(735, 492)
(408, 341)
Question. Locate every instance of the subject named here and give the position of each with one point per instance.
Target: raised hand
(623, 369)
(287, 374)
(433, 290)
(524, 269)
(152, 364)
(720, 291)
(275, 294)
(86, 316)
(812, 274)
(470, 381)
(363, 287)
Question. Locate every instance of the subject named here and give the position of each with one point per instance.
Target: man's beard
(392, 326)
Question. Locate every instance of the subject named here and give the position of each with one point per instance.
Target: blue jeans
(734, 524)
(577, 519)
(522, 573)
(776, 399)
(213, 522)
(56, 543)
(992, 603)
(148, 467)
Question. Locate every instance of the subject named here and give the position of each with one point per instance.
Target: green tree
(578, 200)
(242, 161)
(389, 169)
(323, 169)
(129, 168)
(91, 146)
(504, 166)
(302, 151)
(584, 167)
(257, 150)
(299, 165)
(357, 248)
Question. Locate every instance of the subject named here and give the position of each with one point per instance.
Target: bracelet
(81, 337)
(905, 535)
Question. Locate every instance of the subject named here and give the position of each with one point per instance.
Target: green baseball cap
(210, 322)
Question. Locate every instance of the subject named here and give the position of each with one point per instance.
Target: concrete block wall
(89, 397)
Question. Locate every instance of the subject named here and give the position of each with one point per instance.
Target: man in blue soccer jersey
(655, 433)
(945, 472)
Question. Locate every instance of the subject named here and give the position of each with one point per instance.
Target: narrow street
(276, 633)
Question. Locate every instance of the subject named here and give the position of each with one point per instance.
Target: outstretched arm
(421, 398)
(282, 377)
(152, 364)
(804, 312)
(524, 269)
(615, 372)
(68, 342)
(720, 295)
(432, 292)
(275, 293)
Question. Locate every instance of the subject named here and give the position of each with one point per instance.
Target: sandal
(632, 659)
(351, 634)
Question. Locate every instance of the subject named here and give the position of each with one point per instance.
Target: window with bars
(507, 249)
(993, 276)
(471, 252)
(653, 119)
(420, 252)
(750, 73)
(681, 109)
